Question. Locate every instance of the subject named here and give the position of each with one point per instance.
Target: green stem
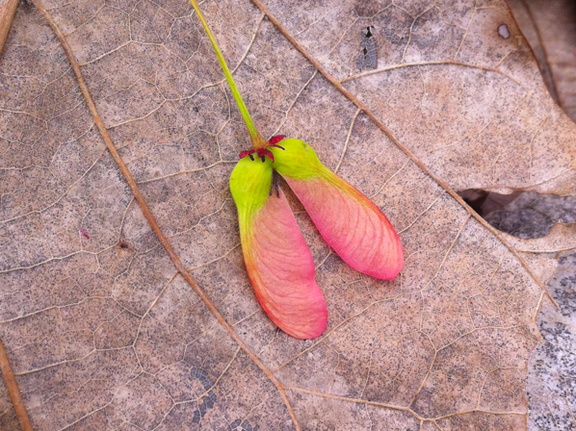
(257, 140)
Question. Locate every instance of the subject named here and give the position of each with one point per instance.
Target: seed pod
(347, 220)
(278, 260)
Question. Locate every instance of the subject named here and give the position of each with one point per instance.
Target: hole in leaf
(522, 214)
(503, 31)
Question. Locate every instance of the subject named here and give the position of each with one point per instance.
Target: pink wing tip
(352, 225)
(281, 270)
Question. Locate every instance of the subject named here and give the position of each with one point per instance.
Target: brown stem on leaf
(148, 213)
(14, 390)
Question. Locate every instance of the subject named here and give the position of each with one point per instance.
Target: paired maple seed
(278, 260)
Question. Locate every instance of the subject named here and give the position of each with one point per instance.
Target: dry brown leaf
(104, 333)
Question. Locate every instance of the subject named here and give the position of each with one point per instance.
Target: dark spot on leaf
(367, 59)
(196, 417)
(240, 425)
(207, 401)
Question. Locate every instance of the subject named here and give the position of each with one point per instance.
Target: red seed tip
(246, 153)
(263, 152)
(275, 139)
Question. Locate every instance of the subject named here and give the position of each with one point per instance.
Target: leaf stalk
(255, 137)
